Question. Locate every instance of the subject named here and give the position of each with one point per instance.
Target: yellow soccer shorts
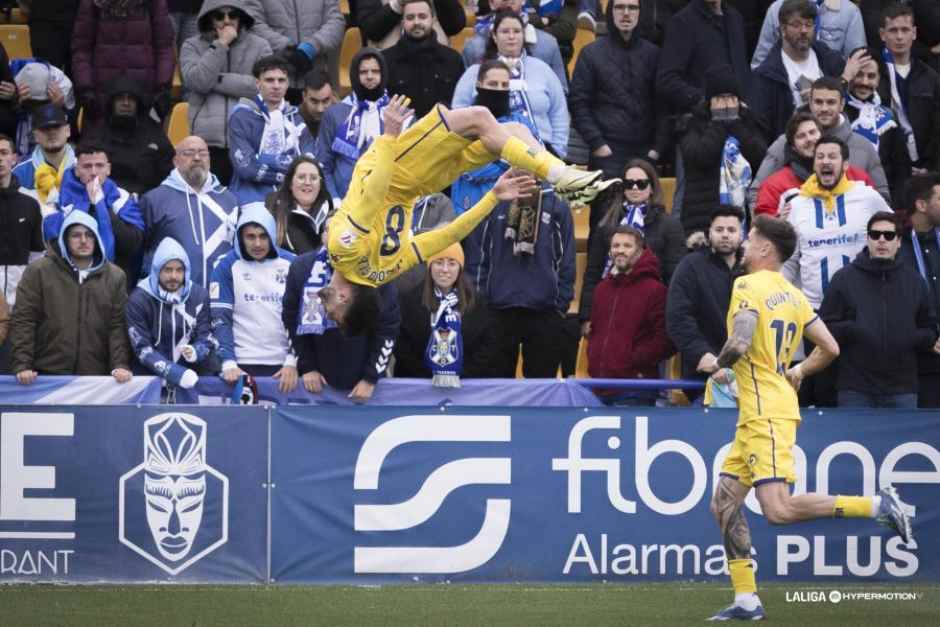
(429, 157)
(762, 451)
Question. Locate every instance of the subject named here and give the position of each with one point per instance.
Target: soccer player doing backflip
(370, 240)
(767, 319)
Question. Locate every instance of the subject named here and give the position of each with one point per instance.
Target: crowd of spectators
(123, 254)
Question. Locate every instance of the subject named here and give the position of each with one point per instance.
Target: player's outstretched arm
(826, 351)
(511, 185)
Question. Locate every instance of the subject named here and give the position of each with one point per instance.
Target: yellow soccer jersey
(783, 312)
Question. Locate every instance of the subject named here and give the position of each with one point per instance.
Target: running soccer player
(767, 319)
(370, 241)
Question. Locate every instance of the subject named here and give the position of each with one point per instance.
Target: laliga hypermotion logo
(173, 508)
(420, 507)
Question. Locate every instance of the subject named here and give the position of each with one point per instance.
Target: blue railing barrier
(570, 392)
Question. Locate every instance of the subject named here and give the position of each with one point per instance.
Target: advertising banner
(133, 494)
(387, 495)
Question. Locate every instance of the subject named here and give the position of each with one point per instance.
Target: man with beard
(783, 80)
(830, 216)
(381, 20)
(418, 65)
(775, 193)
(318, 96)
(140, 152)
(193, 208)
(767, 319)
(628, 320)
(40, 174)
(826, 103)
(700, 291)
(613, 91)
(839, 26)
(874, 121)
(349, 127)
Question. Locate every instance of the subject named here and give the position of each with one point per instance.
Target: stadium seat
(581, 38)
(15, 39)
(580, 265)
(471, 17)
(581, 216)
(457, 41)
(581, 365)
(176, 88)
(178, 128)
(674, 371)
(352, 42)
(669, 191)
(80, 119)
(344, 7)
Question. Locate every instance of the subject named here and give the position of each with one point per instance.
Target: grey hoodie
(217, 76)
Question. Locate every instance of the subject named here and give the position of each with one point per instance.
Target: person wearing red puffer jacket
(628, 320)
(115, 37)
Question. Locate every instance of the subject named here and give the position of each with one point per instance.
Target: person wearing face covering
(419, 66)
(349, 127)
(140, 152)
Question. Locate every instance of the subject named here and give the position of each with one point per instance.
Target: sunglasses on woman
(640, 184)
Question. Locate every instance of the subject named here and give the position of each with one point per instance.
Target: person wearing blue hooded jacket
(88, 187)
(69, 314)
(265, 133)
(193, 208)
(246, 292)
(168, 318)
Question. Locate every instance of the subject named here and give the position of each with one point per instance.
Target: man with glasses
(830, 215)
(612, 94)
(839, 26)
(782, 82)
(878, 310)
(193, 208)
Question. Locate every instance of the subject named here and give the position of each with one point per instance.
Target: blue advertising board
(127, 494)
(396, 494)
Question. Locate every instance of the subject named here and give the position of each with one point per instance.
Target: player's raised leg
(514, 143)
(727, 506)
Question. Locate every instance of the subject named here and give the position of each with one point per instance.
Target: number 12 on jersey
(784, 333)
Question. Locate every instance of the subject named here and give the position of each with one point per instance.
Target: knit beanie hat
(454, 251)
(720, 79)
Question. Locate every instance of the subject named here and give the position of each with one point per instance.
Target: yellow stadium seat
(580, 265)
(344, 7)
(668, 185)
(581, 365)
(80, 119)
(581, 38)
(178, 128)
(458, 41)
(352, 42)
(471, 17)
(176, 88)
(15, 39)
(581, 216)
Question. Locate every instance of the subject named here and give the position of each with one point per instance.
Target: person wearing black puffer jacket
(878, 310)
(612, 94)
(715, 172)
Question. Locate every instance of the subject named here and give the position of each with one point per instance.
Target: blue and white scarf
(897, 105)
(313, 320)
(280, 137)
(735, 174)
(874, 119)
(362, 125)
(635, 216)
(444, 353)
(518, 98)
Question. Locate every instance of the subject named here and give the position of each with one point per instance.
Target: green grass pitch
(513, 605)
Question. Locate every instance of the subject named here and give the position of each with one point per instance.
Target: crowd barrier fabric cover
(397, 495)
(133, 494)
(406, 494)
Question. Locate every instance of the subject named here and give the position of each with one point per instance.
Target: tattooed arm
(728, 507)
(745, 321)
